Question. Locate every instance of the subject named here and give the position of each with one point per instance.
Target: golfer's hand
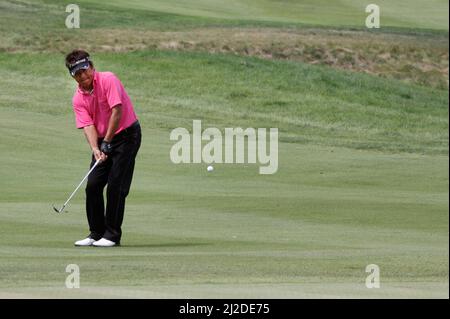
(99, 155)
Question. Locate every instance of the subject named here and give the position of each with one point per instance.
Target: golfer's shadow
(162, 245)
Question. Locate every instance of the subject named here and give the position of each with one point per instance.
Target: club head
(56, 209)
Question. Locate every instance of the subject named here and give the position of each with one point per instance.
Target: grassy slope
(307, 103)
(363, 178)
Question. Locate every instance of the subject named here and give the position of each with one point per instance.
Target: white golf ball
(210, 168)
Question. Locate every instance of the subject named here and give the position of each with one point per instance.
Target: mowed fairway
(362, 179)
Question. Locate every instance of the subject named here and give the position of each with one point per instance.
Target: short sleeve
(113, 89)
(82, 116)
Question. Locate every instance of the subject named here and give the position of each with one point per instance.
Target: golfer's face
(85, 77)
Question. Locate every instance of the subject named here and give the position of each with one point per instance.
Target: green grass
(363, 160)
(307, 231)
(314, 226)
(402, 16)
(411, 14)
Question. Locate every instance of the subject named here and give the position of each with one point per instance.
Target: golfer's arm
(114, 120)
(91, 136)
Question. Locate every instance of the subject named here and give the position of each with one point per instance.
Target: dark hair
(76, 55)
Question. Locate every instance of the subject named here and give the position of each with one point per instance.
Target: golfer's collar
(93, 86)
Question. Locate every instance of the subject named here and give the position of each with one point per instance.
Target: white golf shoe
(104, 243)
(85, 242)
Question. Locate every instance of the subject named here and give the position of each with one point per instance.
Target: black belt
(131, 128)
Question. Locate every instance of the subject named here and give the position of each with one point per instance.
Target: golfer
(104, 111)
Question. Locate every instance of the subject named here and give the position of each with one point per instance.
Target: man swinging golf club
(104, 111)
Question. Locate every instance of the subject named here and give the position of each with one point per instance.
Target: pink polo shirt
(95, 109)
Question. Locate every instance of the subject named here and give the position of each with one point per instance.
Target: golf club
(70, 197)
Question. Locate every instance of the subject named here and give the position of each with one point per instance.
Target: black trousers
(117, 173)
